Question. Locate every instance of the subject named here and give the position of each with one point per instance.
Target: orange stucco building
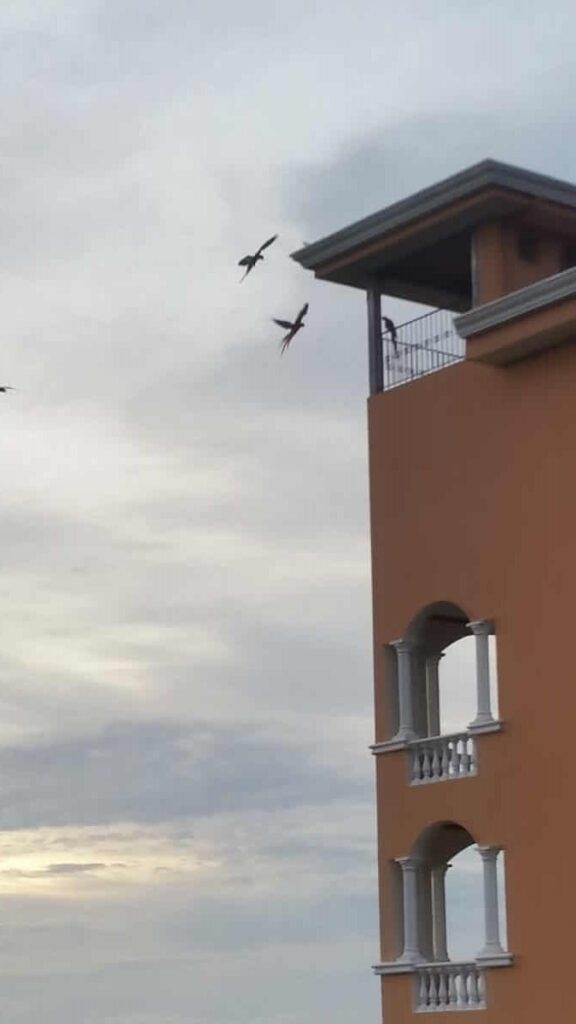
(472, 436)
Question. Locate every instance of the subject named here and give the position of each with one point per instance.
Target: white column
(482, 630)
(404, 649)
(425, 919)
(492, 944)
(433, 693)
(410, 867)
(439, 912)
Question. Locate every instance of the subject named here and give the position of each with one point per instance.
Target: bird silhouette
(250, 261)
(6, 387)
(292, 327)
(391, 330)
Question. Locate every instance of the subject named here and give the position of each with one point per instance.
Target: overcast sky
(186, 795)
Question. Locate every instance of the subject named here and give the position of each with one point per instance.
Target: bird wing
(267, 243)
(302, 313)
(283, 323)
(246, 261)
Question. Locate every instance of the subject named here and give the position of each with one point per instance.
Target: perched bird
(292, 327)
(250, 261)
(6, 387)
(391, 330)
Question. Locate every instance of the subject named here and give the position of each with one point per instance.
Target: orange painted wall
(473, 500)
(500, 266)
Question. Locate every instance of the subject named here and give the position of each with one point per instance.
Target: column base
(410, 959)
(485, 724)
(494, 959)
(404, 736)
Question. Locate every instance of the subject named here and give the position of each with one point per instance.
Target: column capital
(434, 657)
(403, 645)
(489, 853)
(481, 627)
(408, 863)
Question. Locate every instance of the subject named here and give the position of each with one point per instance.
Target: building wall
(510, 255)
(473, 500)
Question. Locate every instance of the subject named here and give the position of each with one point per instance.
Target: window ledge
(395, 967)
(410, 967)
(478, 730)
(495, 960)
(388, 746)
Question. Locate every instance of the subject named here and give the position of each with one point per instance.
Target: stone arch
(422, 887)
(439, 842)
(437, 625)
(413, 673)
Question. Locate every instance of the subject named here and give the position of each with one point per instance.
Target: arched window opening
(453, 904)
(441, 681)
(457, 685)
(464, 905)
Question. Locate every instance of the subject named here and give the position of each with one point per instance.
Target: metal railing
(420, 346)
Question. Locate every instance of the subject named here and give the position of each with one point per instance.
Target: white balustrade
(439, 758)
(449, 986)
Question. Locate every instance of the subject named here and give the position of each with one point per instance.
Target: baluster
(423, 991)
(423, 769)
(433, 991)
(465, 757)
(442, 990)
(461, 993)
(452, 990)
(445, 759)
(472, 754)
(481, 988)
(473, 987)
(452, 758)
(416, 775)
(435, 762)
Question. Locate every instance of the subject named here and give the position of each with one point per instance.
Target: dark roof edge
(485, 174)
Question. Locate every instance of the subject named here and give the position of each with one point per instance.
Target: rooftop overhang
(420, 248)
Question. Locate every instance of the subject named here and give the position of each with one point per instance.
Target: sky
(186, 799)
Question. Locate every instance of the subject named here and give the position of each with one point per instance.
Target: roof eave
(484, 175)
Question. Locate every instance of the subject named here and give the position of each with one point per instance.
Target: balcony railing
(439, 758)
(450, 986)
(423, 345)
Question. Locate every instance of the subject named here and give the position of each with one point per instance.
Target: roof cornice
(484, 175)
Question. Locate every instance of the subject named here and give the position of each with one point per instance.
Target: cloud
(160, 772)
(184, 597)
(385, 166)
(53, 870)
